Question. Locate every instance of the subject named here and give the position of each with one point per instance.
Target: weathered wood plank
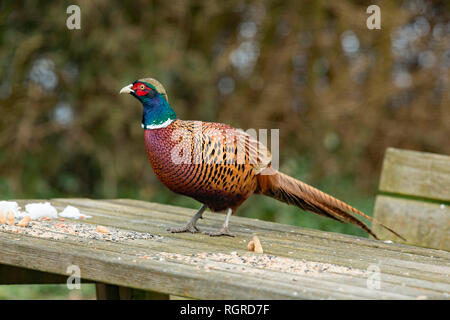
(326, 283)
(156, 221)
(388, 266)
(421, 223)
(397, 282)
(414, 173)
(401, 266)
(176, 279)
(286, 244)
(349, 285)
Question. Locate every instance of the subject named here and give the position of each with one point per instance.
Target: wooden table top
(136, 251)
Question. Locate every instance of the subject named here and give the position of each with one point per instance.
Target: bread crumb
(24, 221)
(258, 246)
(102, 229)
(2, 218)
(10, 218)
(255, 245)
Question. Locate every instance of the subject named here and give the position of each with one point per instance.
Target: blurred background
(339, 93)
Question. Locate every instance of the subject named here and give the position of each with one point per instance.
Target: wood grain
(121, 264)
(421, 223)
(414, 173)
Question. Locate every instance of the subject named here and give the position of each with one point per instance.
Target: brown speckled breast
(199, 159)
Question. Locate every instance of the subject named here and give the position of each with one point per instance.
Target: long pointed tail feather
(292, 191)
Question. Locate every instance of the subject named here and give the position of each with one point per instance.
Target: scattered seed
(82, 231)
(254, 264)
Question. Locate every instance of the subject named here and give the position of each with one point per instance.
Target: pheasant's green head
(157, 111)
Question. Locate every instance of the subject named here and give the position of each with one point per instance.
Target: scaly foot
(190, 227)
(221, 232)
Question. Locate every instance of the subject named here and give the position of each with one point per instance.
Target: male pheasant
(221, 166)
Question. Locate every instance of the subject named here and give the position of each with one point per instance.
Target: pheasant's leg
(190, 226)
(224, 230)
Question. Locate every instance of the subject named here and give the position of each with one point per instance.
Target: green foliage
(46, 292)
(66, 132)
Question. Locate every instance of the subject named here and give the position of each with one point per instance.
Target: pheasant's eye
(142, 87)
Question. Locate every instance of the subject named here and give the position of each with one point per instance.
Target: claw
(187, 228)
(220, 232)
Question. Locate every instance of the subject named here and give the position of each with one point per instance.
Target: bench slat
(122, 263)
(320, 245)
(414, 173)
(421, 223)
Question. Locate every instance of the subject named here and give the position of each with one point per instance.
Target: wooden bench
(415, 198)
(140, 259)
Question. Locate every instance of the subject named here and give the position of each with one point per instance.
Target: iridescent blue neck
(157, 112)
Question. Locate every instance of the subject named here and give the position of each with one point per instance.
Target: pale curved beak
(127, 89)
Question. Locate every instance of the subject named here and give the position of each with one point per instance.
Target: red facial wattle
(141, 89)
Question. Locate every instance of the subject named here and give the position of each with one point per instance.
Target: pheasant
(221, 166)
